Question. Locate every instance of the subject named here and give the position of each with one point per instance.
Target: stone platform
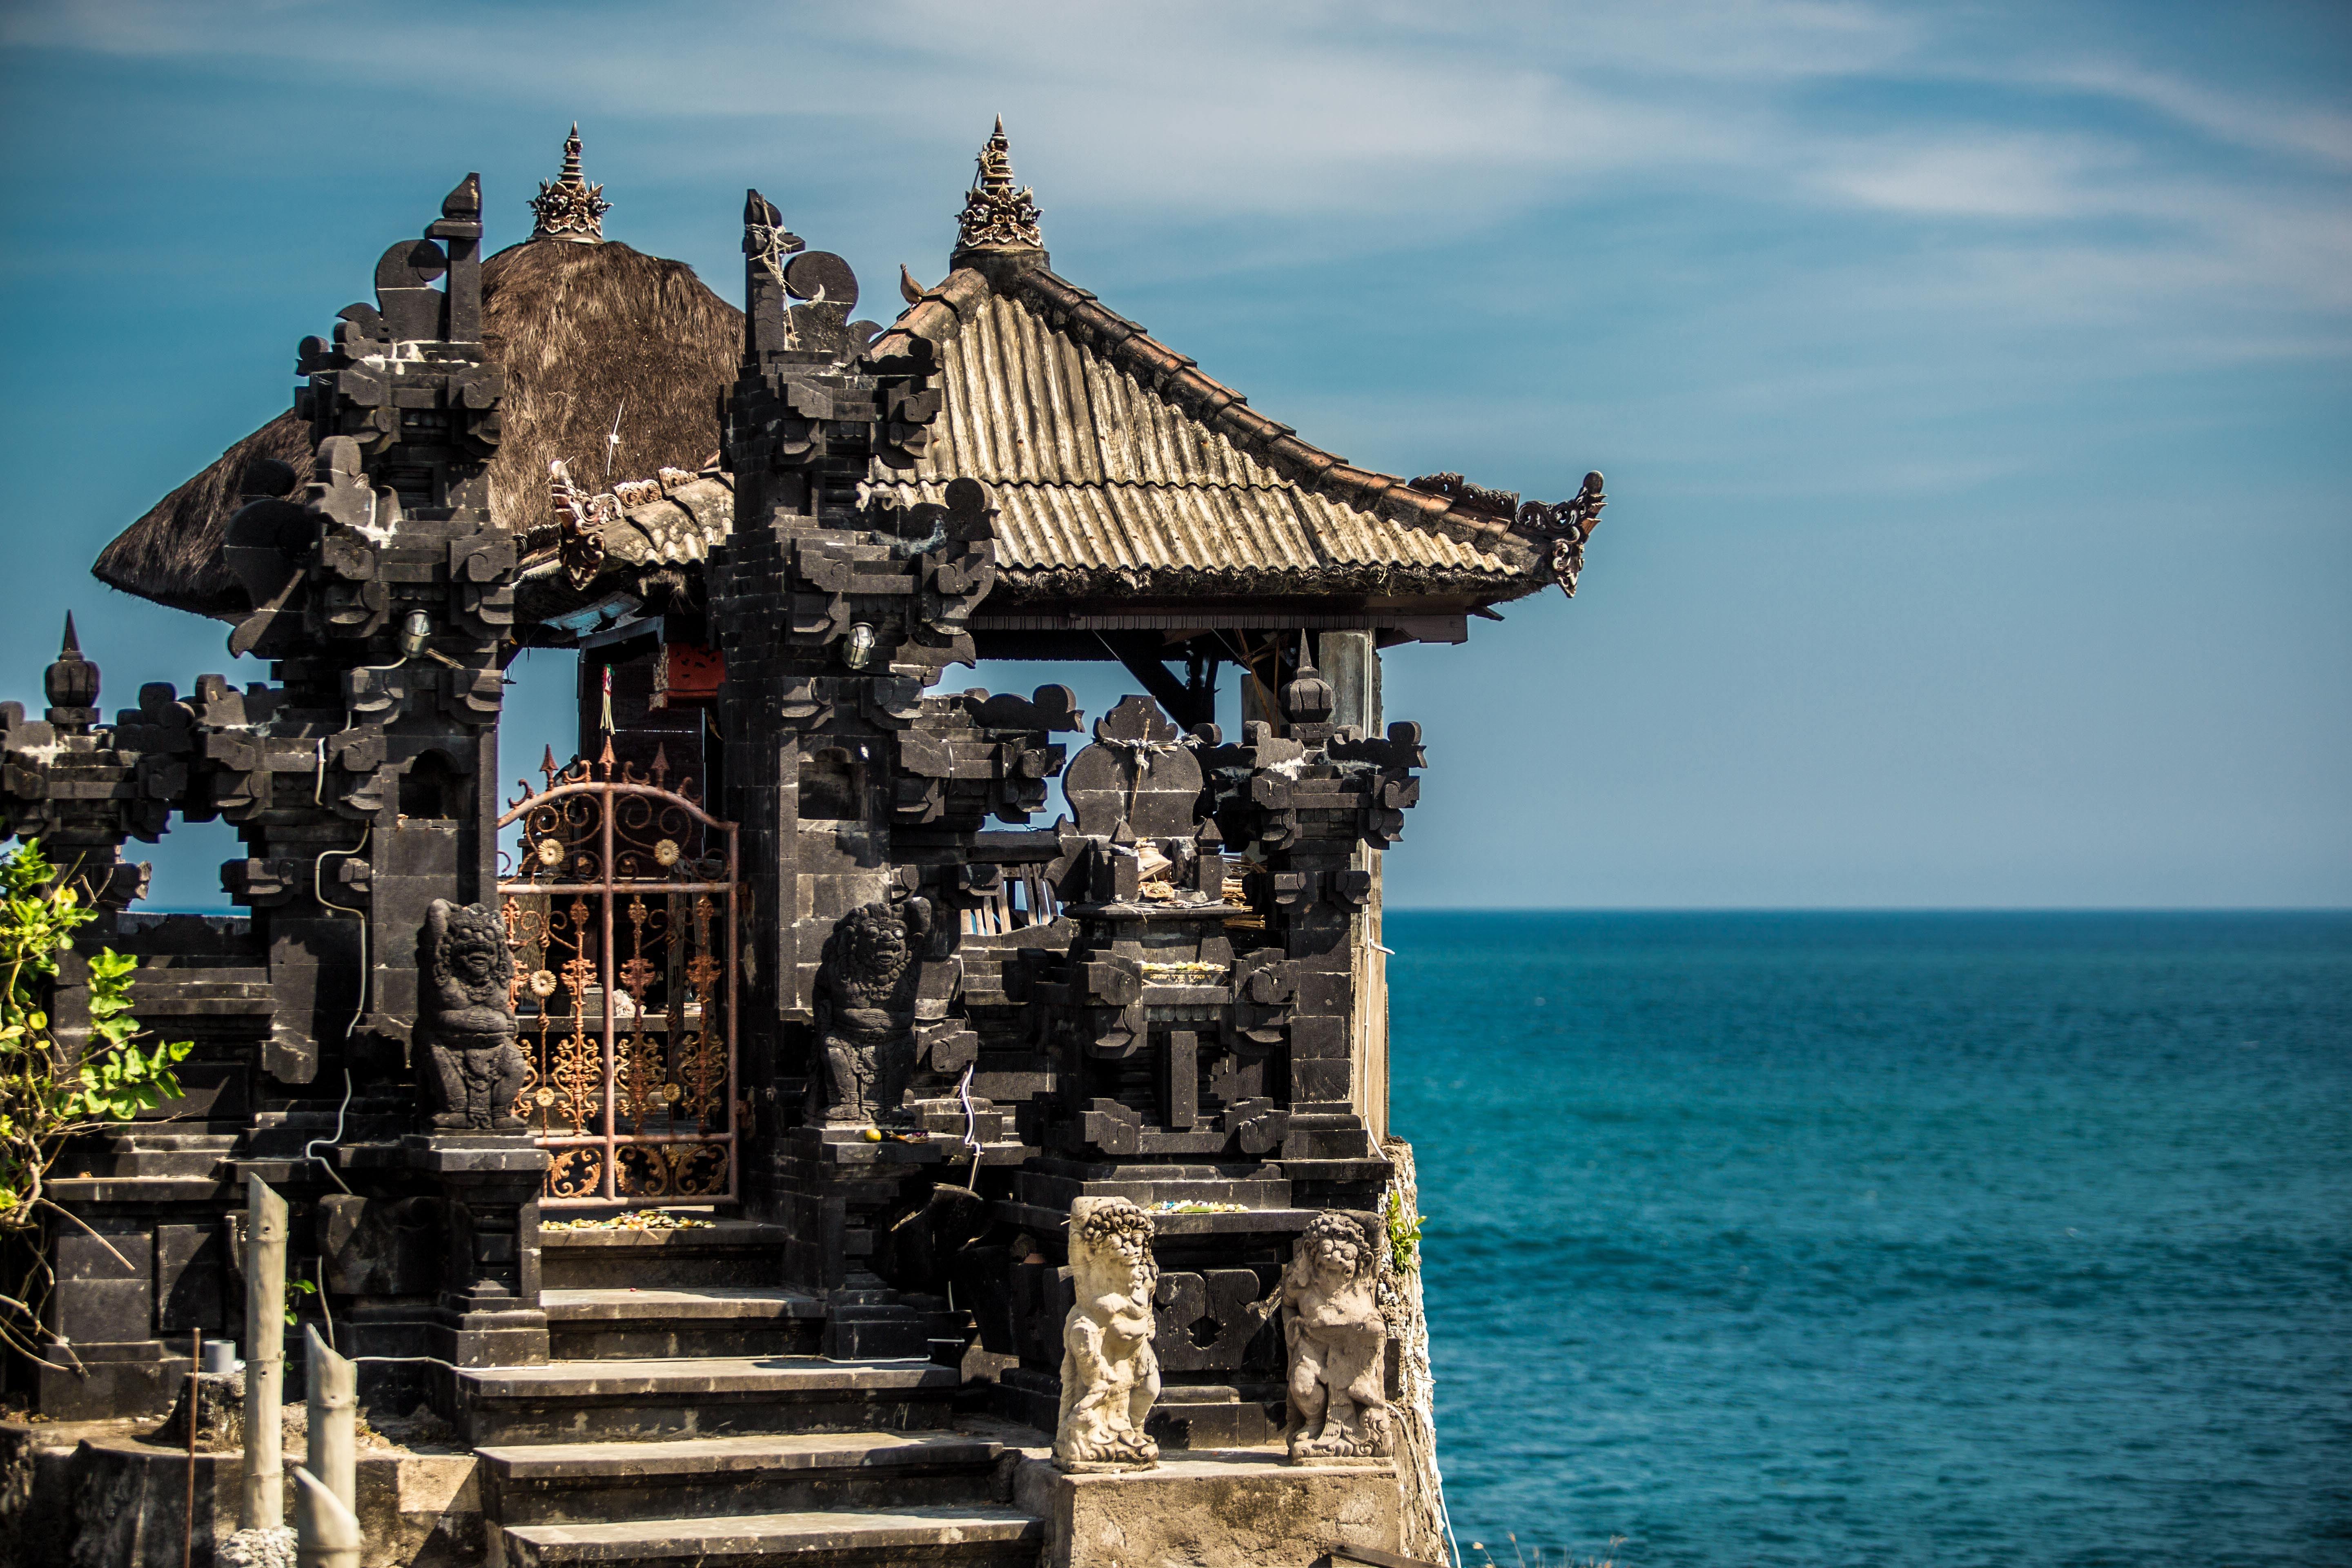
(984, 1493)
(1216, 1506)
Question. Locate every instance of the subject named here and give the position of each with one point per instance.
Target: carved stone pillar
(487, 1312)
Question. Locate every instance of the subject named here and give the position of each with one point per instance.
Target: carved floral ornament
(996, 212)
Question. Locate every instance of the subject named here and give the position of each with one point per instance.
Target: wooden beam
(1140, 655)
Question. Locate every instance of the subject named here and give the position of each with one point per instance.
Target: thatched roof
(579, 329)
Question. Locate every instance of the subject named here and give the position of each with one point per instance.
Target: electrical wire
(330, 1140)
(319, 1273)
(971, 1126)
(319, 892)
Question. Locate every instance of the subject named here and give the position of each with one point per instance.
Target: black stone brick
(1318, 1080)
(1314, 1039)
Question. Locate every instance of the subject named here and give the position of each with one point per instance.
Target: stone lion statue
(472, 1069)
(1110, 1377)
(865, 1004)
(1338, 1344)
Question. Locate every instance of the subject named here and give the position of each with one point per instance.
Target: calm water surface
(1998, 1239)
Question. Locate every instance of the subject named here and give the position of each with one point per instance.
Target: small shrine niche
(832, 785)
(432, 790)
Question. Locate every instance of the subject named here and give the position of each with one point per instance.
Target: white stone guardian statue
(1338, 1342)
(1109, 1376)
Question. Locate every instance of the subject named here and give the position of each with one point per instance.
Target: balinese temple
(695, 1147)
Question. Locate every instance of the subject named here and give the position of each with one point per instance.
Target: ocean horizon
(2158, 910)
(1885, 1236)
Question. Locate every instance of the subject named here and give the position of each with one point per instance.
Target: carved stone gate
(623, 912)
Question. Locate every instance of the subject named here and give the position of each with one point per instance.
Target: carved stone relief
(473, 1069)
(865, 995)
(1338, 1344)
(1110, 1377)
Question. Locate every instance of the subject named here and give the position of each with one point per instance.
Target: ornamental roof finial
(71, 685)
(996, 213)
(569, 207)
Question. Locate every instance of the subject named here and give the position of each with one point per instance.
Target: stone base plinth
(96, 1492)
(1240, 1508)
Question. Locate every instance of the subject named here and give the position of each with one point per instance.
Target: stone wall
(1425, 1532)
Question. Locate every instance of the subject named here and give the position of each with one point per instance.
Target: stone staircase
(686, 1422)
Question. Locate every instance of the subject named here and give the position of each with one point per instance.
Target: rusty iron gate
(620, 900)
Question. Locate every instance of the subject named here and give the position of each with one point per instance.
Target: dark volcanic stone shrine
(790, 948)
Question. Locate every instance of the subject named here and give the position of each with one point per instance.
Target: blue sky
(1971, 381)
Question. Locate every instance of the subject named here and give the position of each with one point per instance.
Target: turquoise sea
(2010, 1239)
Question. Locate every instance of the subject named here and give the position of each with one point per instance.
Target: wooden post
(333, 1389)
(264, 1359)
(1351, 662)
(326, 1533)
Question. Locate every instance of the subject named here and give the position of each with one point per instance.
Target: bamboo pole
(333, 1389)
(265, 1361)
(195, 1402)
(326, 1533)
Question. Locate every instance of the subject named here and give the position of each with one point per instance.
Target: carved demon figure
(1338, 1342)
(865, 1011)
(473, 1069)
(1110, 1375)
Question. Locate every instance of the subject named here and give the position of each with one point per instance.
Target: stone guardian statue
(865, 1004)
(473, 1069)
(1110, 1377)
(1338, 1343)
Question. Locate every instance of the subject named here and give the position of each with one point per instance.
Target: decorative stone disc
(1136, 772)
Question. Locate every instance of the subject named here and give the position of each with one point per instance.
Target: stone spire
(996, 214)
(569, 207)
(1306, 697)
(71, 685)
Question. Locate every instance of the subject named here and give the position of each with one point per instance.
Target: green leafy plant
(1404, 1233)
(295, 1290)
(48, 1093)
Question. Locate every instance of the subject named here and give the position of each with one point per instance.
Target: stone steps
(727, 1253)
(976, 1537)
(204, 1163)
(710, 1478)
(627, 1400)
(135, 1154)
(675, 1321)
(687, 1423)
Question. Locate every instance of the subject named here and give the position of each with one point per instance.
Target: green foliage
(295, 1290)
(1404, 1233)
(46, 1098)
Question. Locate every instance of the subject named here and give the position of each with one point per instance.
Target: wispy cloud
(1349, 124)
(1982, 176)
(2319, 132)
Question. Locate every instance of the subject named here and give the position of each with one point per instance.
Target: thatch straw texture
(583, 330)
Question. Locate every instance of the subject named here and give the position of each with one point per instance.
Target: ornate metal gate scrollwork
(623, 919)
